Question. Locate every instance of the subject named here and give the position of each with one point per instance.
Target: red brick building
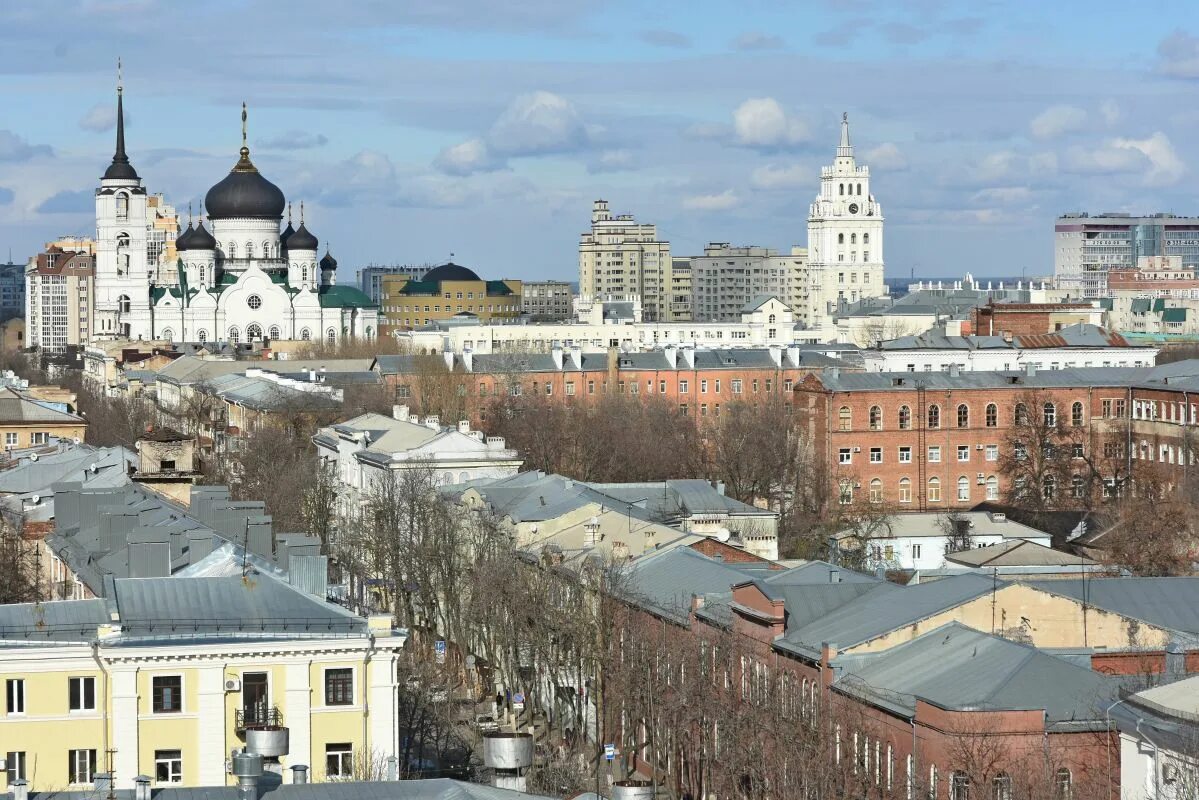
(1025, 319)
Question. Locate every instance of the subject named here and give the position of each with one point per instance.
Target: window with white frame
(905, 455)
(963, 452)
(168, 766)
(82, 690)
(14, 696)
(845, 456)
(339, 686)
(339, 761)
(16, 763)
(876, 455)
(934, 454)
(81, 766)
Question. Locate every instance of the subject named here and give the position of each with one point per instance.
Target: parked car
(486, 723)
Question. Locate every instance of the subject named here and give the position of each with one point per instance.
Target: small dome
(328, 262)
(244, 194)
(120, 170)
(201, 239)
(302, 239)
(283, 237)
(182, 242)
(451, 272)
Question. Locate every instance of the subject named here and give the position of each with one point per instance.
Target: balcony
(263, 730)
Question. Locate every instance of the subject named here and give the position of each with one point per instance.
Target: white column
(382, 697)
(125, 738)
(211, 747)
(297, 716)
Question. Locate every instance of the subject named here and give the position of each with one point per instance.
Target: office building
(370, 278)
(448, 291)
(725, 278)
(620, 256)
(1087, 248)
(546, 301)
(12, 291)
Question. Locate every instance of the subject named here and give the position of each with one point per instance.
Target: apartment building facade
(1088, 247)
(546, 301)
(59, 299)
(620, 256)
(726, 278)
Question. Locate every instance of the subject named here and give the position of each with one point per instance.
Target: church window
(232, 249)
(842, 188)
(254, 301)
(122, 240)
(253, 331)
(853, 238)
(168, 335)
(304, 275)
(202, 336)
(865, 238)
(266, 249)
(122, 205)
(370, 334)
(123, 304)
(859, 189)
(305, 334)
(840, 238)
(249, 249)
(331, 336)
(274, 331)
(201, 275)
(234, 336)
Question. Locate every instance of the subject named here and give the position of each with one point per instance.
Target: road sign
(609, 752)
(439, 650)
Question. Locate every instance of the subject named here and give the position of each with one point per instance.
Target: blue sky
(485, 128)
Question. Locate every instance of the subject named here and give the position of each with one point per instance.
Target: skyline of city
(413, 134)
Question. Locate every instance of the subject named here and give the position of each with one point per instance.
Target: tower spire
(243, 125)
(301, 212)
(288, 212)
(120, 167)
(844, 149)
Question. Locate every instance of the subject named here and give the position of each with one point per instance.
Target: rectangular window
(736, 385)
(963, 452)
(339, 687)
(718, 386)
(590, 387)
(876, 455)
(39, 437)
(905, 455)
(934, 454)
(1107, 408)
(339, 760)
(167, 694)
(992, 452)
(844, 456)
(14, 695)
(17, 770)
(570, 387)
(83, 693)
(915, 551)
(168, 766)
(703, 387)
(1120, 408)
(81, 767)
(683, 387)
(11, 439)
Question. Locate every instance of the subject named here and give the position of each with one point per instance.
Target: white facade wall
(924, 552)
(1004, 359)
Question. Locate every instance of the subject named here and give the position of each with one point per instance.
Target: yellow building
(165, 677)
(24, 423)
(446, 292)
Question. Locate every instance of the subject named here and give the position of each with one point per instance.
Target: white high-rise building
(726, 278)
(621, 257)
(845, 239)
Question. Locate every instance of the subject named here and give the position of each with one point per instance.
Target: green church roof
(343, 297)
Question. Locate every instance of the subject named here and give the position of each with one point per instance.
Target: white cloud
(886, 156)
(762, 122)
(294, 140)
(995, 167)
(1153, 158)
(1110, 111)
(711, 202)
(1165, 167)
(612, 161)
(537, 123)
(1179, 55)
(756, 40)
(101, 117)
(467, 157)
(1058, 120)
(777, 176)
(1003, 195)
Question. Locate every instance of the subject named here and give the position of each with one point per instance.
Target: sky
(485, 128)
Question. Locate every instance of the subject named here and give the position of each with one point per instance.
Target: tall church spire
(844, 149)
(120, 168)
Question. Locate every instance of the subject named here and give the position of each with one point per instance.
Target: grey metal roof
(665, 582)
(931, 524)
(54, 621)
(1171, 603)
(679, 497)
(73, 462)
(1020, 553)
(1172, 375)
(957, 667)
(17, 409)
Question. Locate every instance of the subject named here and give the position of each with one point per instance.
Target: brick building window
(963, 416)
(1050, 415)
(905, 490)
(1021, 414)
(1076, 414)
(846, 493)
(844, 419)
(934, 490)
(876, 418)
(992, 415)
(934, 417)
(963, 489)
(905, 455)
(876, 490)
(905, 418)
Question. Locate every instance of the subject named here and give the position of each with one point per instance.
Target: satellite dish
(723, 534)
(33, 456)
(533, 528)
(76, 440)
(35, 498)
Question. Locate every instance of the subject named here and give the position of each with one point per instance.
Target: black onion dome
(283, 237)
(183, 241)
(201, 239)
(450, 272)
(328, 262)
(303, 239)
(244, 193)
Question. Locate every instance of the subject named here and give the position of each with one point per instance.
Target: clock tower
(845, 238)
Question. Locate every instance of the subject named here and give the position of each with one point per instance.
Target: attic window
(166, 465)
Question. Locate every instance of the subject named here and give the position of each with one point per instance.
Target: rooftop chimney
(141, 787)
(400, 412)
(299, 773)
(834, 576)
(20, 789)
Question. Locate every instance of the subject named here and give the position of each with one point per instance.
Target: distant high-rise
(845, 238)
(1086, 247)
(725, 279)
(622, 257)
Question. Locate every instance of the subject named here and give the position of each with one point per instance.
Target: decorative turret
(328, 269)
(301, 256)
(287, 232)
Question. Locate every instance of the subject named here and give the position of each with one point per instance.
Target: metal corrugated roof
(16, 408)
(1171, 603)
(59, 620)
(665, 582)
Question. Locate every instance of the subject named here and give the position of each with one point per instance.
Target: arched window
(1021, 414)
(905, 418)
(122, 205)
(249, 249)
(843, 189)
(934, 490)
(1063, 784)
(168, 335)
(234, 336)
(370, 332)
(1076, 414)
(963, 489)
(770, 319)
(840, 238)
(274, 332)
(876, 490)
(1050, 411)
(304, 274)
(905, 490)
(844, 419)
(122, 240)
(201, 276)
(1002, 787)
(865, 238)
(232, 249)
(853, 238)
(859, 189)
(934, 417)
(123, 304)
(305, 334)
(959, 786)
(963, 416)
(202, 336)
(266, 249)
(331, 336)
(876, 418)
(992, 487)
(1049, 487)
(992, 415)
(463, 477)
(253, 331)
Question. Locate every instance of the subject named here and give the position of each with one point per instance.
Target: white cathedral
(241, 281)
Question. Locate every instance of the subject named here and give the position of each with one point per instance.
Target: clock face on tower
(853, 208)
